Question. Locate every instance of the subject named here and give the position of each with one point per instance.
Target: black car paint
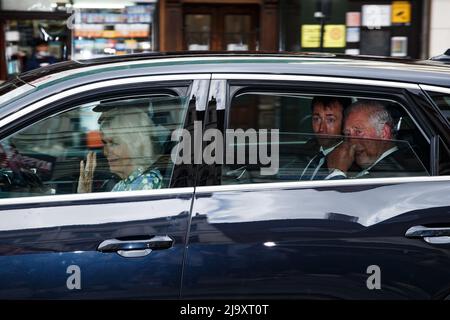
(318, 242)
(34, 258)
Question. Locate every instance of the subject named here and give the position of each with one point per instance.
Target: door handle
(136, 248)
(430, 235)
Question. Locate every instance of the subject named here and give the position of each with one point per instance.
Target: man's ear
(386, 133)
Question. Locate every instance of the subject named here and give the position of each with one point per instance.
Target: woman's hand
(87, 173)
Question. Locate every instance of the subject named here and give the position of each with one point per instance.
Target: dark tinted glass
(311, 142)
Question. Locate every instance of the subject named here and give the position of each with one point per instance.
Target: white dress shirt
(325, 152)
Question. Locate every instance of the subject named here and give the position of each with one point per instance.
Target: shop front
(26, 25)
(222, 25)
(73, 29)
(113, 28)
(84, 29)
(366, 27)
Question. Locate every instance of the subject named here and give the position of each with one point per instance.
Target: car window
(118, 144)
(442, 100)
(320, 137)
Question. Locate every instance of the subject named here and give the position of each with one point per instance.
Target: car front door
(280, 235)
(57, 243)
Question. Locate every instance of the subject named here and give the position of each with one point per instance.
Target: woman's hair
(132, 126)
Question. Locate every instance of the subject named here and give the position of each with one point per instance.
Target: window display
(24, 39)
(100, 32)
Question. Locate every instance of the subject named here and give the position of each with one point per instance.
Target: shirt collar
(136, 173)
(383, 155)
(330, 149)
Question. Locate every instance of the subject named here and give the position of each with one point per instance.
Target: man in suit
(327, 119)
(370, 145)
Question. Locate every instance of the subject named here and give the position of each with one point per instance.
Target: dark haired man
(327, 122)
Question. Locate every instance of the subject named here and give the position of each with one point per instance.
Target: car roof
(321, 64)
(64, 75)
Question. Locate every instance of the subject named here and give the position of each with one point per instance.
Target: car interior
(44, 158)
(275, 111)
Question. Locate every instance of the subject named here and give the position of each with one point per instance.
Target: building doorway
(221, 27)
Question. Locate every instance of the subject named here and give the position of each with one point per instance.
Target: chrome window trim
(52, 199)
(318, 184)
(92, 86)
(89, 68)
(146, 194)
(426, 87)
(277, 77)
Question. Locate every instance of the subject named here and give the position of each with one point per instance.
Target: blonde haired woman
(128, 147)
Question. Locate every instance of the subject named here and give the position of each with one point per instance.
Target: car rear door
(57, 243)
(278, 237)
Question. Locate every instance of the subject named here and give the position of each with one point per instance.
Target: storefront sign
(401, 12)
(334, 36)
(375, 16)
(399, 46)
(352, 34)
(310, 36)
(353, 19)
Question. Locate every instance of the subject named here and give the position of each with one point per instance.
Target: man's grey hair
(378, 114)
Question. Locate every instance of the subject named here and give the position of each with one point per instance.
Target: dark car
(84, 216)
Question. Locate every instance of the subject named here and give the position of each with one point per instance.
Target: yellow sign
(334, 36)
(310, 36)
(401, 12)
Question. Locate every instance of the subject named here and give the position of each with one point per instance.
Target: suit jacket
(311, 151)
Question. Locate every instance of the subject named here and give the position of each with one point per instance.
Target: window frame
(335, 86)
(442, 142)
(104, 89)
(427, 89)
